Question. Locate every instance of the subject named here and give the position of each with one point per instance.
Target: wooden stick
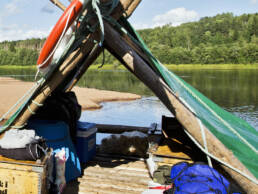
(58, 4)
(117, 44)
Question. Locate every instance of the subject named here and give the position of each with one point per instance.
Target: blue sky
(22, 19)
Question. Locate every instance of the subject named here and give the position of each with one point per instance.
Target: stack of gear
(22, 145)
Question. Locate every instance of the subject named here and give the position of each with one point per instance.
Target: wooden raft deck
(106, 175)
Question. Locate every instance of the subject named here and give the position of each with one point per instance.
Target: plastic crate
(86, 141)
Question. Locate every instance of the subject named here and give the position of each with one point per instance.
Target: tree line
(222, 39)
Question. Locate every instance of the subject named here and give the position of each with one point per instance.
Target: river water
(234, 90)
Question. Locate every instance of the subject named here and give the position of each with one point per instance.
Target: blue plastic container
(86, 141)
(57, 136)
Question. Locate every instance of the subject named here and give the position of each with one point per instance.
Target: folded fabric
(15, 138)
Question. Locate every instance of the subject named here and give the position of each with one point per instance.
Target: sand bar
(11, 90)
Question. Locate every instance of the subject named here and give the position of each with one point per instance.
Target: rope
(103, 59)
(18, 127)
(99, 10)
(98, 13)
(36, 103)
(202, 131)
(32, 112)
(204, 142)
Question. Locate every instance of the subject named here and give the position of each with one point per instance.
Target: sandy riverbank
(11, 90)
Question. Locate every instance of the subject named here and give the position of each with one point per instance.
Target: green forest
(222, 39)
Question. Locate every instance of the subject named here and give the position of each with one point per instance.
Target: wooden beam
(115, 43)
(116, 129)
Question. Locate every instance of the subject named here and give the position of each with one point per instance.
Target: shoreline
(89, 98)
(169, 66)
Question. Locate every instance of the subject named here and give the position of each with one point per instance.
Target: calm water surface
(234, 90)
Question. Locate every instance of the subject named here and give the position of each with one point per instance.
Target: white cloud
(253, 1)
(8, 9)
(11, 8)
(16, 33)
(139, 26)
(175, 17)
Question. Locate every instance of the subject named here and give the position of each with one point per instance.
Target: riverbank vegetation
(107, 67)
(223, 39)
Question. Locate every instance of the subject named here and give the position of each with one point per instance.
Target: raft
(223, 137)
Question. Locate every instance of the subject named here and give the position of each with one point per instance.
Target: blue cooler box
(86, 141)
(57, 135)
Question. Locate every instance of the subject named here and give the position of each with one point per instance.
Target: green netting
(236, 134)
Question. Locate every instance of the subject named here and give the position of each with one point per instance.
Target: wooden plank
(105, 128)
(117, 44)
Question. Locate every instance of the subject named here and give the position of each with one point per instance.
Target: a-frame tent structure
(104, 25)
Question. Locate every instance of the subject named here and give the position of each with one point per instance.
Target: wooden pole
(86, 64)
(115, 43)
(68, 65)
(58, 4)
(132, 7)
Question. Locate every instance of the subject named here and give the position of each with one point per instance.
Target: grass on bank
(169, 66)
(212, 66)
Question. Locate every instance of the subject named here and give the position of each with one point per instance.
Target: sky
(22, 19)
